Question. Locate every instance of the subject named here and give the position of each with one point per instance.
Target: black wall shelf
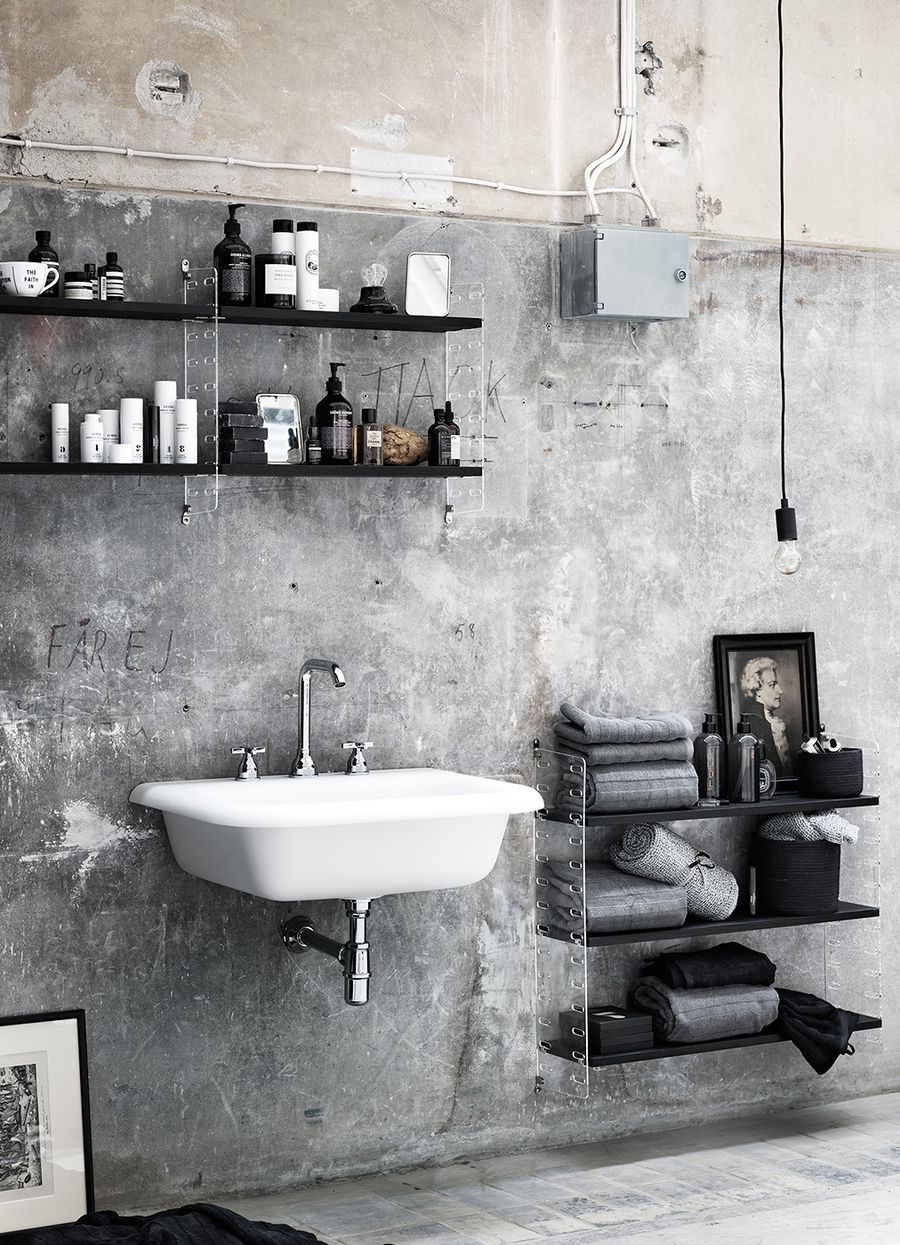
(114, 310)
(98, 470)
(765, 808)
(671, 1050)
(741, 922)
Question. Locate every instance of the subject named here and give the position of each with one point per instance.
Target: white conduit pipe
(623, 142)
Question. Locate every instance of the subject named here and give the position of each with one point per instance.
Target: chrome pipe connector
(299, 934)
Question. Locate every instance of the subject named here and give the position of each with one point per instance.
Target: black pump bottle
(232, 259)
(334, 419)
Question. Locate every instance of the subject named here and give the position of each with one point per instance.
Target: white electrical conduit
(624, 142)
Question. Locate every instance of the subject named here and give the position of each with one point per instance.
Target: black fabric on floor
(727, 964)
(200, 1224)
(819, 1031)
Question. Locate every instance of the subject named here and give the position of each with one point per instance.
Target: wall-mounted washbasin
(333, 836)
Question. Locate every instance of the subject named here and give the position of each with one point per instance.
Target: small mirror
(427, 284)
(281, 418)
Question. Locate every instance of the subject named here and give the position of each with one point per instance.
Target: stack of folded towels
(704, 996)
(632, 763)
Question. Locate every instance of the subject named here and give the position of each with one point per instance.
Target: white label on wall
(415, 190)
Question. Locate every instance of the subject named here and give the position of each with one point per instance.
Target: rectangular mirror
(427, 284)
(281, 416)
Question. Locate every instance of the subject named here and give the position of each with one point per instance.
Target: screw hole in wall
(185, 708)
(295, 587)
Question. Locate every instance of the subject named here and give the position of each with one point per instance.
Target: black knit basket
(796, 879)
(830, 773)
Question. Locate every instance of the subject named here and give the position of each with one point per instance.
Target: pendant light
(787, 558)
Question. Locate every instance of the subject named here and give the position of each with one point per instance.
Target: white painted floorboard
(814, 1176)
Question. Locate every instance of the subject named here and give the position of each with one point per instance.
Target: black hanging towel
(819, 1031)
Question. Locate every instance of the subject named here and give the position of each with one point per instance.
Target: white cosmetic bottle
(109, 418)
(186, 430)
(165, 395)
(59, 431)
(307, 266)
(92, 439)
(131, 426)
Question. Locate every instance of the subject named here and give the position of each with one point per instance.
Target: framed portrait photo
(771, 678)
(46, 1176)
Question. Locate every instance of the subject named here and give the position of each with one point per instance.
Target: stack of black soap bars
(242, 435)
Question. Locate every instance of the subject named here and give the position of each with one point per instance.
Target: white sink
(338, 836)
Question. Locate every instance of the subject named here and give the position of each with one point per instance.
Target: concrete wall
(610, 551)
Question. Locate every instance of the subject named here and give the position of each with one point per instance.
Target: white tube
(165, 395)
(131, 426)
(109, 418)
(307, 266)
(59, 431)
(186, 430)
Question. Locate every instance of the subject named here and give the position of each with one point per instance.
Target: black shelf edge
(269, 471)
(94, 309)
(765, 808)
(671, 1051)
(740, 923)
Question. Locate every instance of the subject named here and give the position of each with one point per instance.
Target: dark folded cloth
(819, 1031)
(611, 900)
(728, 964)
(705, 1015)
(199, 1224)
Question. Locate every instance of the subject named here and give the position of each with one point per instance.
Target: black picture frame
(792, 709)
(46, 1161)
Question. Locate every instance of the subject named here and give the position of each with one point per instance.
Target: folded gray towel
(629, 754)
(705, 1015)
(829, 827)
(599, 728)
(633, 788)
(649, 850)
(611, 900)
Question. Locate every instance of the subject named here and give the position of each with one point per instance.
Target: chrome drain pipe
(299, 934)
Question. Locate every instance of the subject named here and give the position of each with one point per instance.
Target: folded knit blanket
(705, 1015)
(599, 728)
(612, 754)
(610, 900)
(810, 828)
(634, 788)
(819, 1031)
(650, 850)
(727, 964)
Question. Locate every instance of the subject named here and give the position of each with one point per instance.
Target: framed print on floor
(46, 1176)
(772, 678)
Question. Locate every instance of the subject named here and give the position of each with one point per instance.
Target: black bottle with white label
(334, 419)
(454, 435)
(233, 261)
(276, 273)
(43, 253)
(112, 278)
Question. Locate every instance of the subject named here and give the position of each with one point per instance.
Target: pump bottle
(334, 419)
(232, 259)
(709, 761)
(743, 764)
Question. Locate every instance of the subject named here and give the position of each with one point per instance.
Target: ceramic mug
(26, 279)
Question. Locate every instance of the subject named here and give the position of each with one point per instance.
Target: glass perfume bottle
(743, 764)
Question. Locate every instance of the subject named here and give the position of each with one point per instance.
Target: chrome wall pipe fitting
(299, 934)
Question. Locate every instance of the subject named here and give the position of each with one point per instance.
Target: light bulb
(374, 274)
(787, 557)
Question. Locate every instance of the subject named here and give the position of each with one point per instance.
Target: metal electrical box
(622, 272)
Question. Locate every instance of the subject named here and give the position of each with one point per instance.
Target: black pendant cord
(781, 257)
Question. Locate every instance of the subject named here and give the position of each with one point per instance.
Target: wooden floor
(808, 1177)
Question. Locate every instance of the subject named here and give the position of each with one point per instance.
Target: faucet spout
(303, 766)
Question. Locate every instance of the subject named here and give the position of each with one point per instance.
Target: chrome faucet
(303, 766)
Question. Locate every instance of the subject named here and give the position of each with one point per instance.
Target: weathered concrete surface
(519, 91)
(629, 518)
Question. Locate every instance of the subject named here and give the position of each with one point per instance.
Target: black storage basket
(796, 879)
(830, 773)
